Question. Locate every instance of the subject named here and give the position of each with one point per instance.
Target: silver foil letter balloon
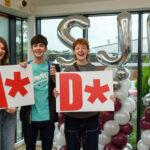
(124, 42)
(63, 33)
(63, 30)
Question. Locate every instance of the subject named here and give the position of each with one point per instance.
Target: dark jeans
(30, 132)
(7, 130)
(85, 130)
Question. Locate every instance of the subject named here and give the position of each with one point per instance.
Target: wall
(93, 7)
(99, 6)
(14, 9)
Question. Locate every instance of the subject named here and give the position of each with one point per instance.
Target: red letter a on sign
(76, 90)
(3, 102)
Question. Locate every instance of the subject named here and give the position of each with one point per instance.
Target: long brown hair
(4, 60)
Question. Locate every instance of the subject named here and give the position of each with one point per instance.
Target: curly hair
(39, 39)
(4, 60)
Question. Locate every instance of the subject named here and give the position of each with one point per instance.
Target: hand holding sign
(11, 110)
(16, 86)
(81, 93)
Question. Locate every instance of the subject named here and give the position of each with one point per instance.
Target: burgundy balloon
(110, 146)
(106, 116)
(117, 104)
(147, 113)
(63, 147)
(61, 117)
(126, 129)
(59, 124)
(145, 124)
(119, 139)
(101, 125)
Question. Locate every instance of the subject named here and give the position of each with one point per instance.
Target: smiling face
(81, 52)
(38, 50)
(2, 51)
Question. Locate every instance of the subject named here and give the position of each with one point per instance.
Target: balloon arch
(115, 126)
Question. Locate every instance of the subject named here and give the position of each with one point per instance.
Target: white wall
(93, 7)
(14, 8)
(89, 7)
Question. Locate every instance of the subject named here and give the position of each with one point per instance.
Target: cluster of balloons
(59, 135)
(115, 125)
(144, 143)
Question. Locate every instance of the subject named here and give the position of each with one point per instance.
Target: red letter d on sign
(65, 94)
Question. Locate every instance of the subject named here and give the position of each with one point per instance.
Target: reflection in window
(144, 36)
(18, 41)
(21, 54)
(21, 40)
(4, 27)
(25, 39)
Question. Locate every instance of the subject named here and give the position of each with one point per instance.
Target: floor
(37, 148)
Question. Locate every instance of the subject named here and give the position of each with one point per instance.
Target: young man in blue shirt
(41, 116)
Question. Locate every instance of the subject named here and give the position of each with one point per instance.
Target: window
(4, 27)
(21, 55)
(55, 47)
(103, 35)
(21, 40)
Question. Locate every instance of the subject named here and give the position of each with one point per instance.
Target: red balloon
(117, 105)
(110, 146)
(63, 147)
(147, 113)
(145, 124)
(119, 140)
(127, 128)
(106, 116)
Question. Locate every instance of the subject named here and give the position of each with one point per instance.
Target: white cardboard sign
(84, 91)
(16, 86)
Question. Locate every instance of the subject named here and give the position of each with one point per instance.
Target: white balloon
(104, 139)
(142, 146)
(149, 81)
(122, 117)
(121, 94)
(125, 84)
(146, 137)
(128, 105)
(111, 128)
(60, 139)
(100, 147)
(62, 129)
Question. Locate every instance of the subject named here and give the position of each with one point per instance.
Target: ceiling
(59, 2)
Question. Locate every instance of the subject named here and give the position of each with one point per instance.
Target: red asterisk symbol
(17, 84)
(96, 91)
